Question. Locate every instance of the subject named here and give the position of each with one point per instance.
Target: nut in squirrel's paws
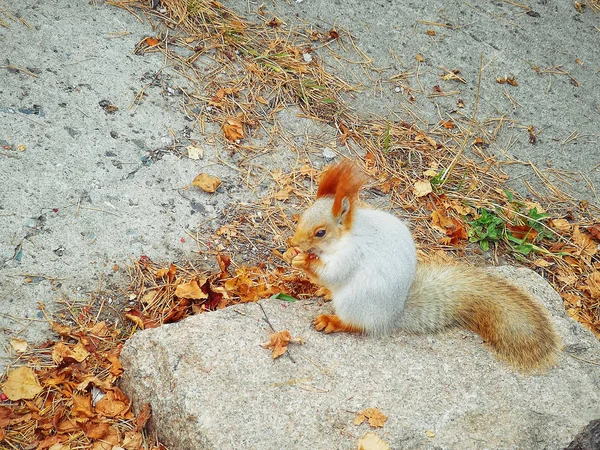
(328, 323)
(290, 254)
(303, 260)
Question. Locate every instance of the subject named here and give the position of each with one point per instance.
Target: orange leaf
(190, 289)
(141, 320)
(233, 129)
(82, 406)
(279, 342)
(95, 430)
(62, 353)
(375, 417)
(206, 182)
(151, 42)
(143, 417)
(114, 404)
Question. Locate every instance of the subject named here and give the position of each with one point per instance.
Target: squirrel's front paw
(304, 260)
(328, 323)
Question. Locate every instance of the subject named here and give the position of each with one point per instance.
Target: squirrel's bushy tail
(514, 324)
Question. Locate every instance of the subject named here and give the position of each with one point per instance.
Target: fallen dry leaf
(375, 417)
(151, 42)
(63, 353)
(132, 440)
(114, 404)
(18, 345)
(143, 417)
(279, 342)
(422, 188)
(233, 129)
(207, 182)
(587, 245)
(370, 441)
(22, 384)
(195, 152)
(560, 224)
(191, 289)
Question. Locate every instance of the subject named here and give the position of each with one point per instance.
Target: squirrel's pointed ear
(344, 210)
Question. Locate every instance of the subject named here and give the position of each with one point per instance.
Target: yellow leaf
(419, 58)
(18, 345)
(422, 187)
(190, 289)
(195, 152)
(206, 182)
(375, 417)
(429, 433)
(22, 383)
(561, 224)
(370, 441)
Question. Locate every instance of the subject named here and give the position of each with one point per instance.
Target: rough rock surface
(212, 386)
(588, 439)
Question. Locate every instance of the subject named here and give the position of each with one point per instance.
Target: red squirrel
(368, 260)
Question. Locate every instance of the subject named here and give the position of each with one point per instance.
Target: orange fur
(329, 323)
(341, 181)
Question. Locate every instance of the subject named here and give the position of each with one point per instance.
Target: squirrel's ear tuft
(342, 182)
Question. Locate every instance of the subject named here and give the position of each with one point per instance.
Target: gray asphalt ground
(84, 190)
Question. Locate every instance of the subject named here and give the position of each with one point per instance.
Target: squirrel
(368, 261)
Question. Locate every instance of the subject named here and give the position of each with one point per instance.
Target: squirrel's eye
(320, 233)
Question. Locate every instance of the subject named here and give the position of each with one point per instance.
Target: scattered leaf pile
(165, 295)
(64, 394)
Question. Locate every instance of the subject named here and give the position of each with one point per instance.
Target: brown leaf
(224, 263)
(51, 442)
(448, 124)
(62, 353)
(143, 417)
(279, 341)
(22, 383)
(594, 230)
(132, 440)
(233, 129)
(114, 404)
(207, 182)
(143, 321)
(587, 246)
(95, 429)
(191, 289)
(61, 330)
(522, 232)
(82, 406)
(375, 417)
(116, 368)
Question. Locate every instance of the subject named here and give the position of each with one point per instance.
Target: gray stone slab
(212, 386)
